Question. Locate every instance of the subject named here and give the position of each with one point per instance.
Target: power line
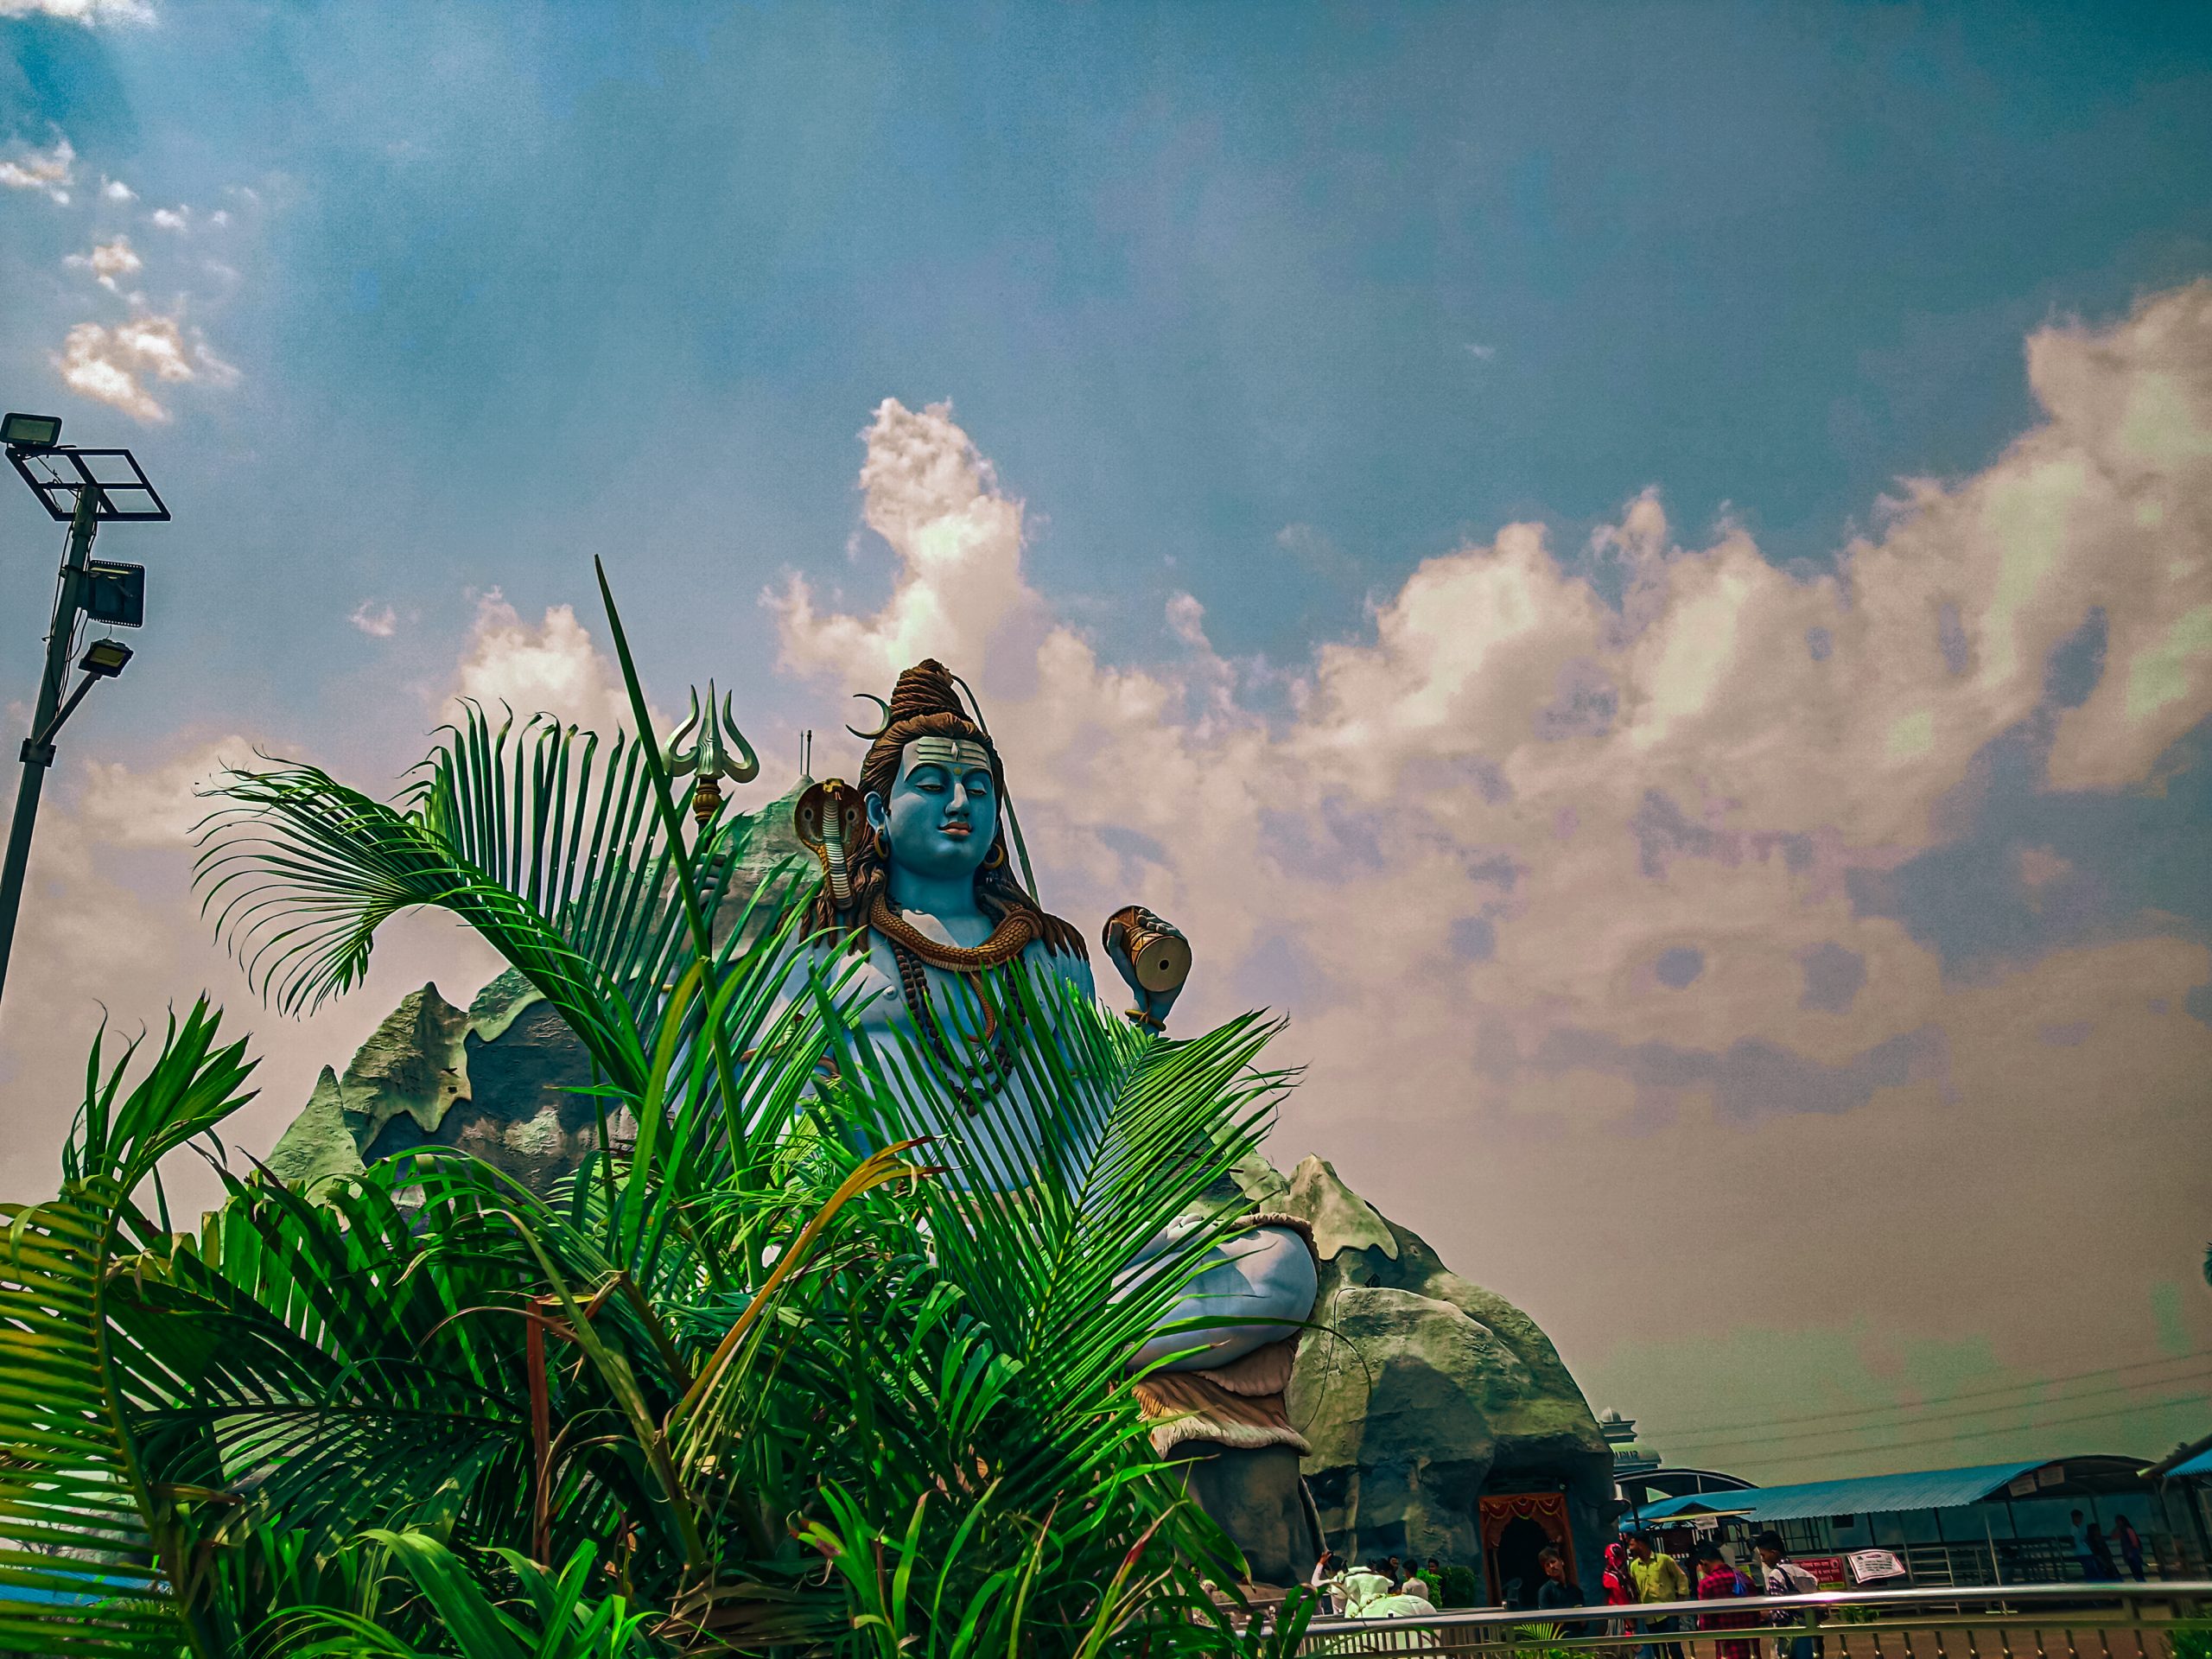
(2023, 1429)
(1691, 1433)
(1931, 1416)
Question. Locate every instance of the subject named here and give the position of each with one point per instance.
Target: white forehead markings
(955, 751)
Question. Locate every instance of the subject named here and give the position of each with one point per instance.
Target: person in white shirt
(1328, 1582)
(1783, 1577)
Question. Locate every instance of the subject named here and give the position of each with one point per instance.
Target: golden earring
(882, 845)
(996, 859)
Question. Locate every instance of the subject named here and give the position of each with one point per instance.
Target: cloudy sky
(1645, 573)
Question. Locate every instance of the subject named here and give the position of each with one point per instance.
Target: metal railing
(2026, 1621)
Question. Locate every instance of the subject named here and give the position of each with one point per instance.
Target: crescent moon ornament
(882, 727)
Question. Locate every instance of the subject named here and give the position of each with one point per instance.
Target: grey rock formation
(1421, 1393)
(498, 1080)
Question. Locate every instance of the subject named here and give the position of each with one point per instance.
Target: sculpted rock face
(1422, 1394)
(495, 1080)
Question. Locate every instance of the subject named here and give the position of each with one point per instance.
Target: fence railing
(2029, 1560)
(2027, 1621)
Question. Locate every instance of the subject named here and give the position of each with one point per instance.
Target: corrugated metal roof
(2199, 1464)
(1927, 1489)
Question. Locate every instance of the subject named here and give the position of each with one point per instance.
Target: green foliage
(1545, 1634)
(94, 1549)
(1460, 1587)
(762, 1377)
(563, 1621)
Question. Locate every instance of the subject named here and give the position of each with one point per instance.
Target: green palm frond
(1022, 1378)
(299, 872)
(564, 1622)
(91, 1563)
(307, 1361)
(568, 855)
(1136, 1130)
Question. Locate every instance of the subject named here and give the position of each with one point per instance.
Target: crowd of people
(1387, 1588)
(1636, 1574)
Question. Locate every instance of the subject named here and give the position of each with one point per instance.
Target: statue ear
(879, 816)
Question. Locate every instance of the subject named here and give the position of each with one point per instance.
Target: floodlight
(30, 431)
(104, 658)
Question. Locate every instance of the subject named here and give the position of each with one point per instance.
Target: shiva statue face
(943, 811)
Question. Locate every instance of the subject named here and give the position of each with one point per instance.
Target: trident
(707, 756)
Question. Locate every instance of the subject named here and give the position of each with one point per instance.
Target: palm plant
(759, 1377)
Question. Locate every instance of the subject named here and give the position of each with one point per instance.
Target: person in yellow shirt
(1658, 1577)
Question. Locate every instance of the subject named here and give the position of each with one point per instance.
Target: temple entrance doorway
(1516, 1528)
(1514, 1573)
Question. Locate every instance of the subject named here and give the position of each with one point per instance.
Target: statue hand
(1153, 957)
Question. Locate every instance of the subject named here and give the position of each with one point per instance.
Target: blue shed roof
(1927, 1489)
(2199, 1464)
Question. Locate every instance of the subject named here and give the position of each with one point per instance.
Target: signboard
(1867, 1565)
(1827, 1570)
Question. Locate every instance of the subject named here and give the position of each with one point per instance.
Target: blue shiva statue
(914, 866)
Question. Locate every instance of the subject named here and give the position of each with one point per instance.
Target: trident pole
(38, 748)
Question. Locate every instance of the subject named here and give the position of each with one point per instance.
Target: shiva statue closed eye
(918, 901)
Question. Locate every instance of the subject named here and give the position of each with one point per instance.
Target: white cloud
(554, 668)
(116, 190)
(377, 621)
(217, 372)
(126, 807)
(1186, 620)
(110, 365)
(1528, 862)
(109, 261)
(87, 12)
(177, 219)
(107, 364)
(1481, 354)
(934, 498)
(50, 170)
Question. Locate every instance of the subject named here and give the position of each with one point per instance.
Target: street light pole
(38, 748)
(79, 488)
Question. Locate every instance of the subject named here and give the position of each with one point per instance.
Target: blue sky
(1265, 306)
(1203, 272)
